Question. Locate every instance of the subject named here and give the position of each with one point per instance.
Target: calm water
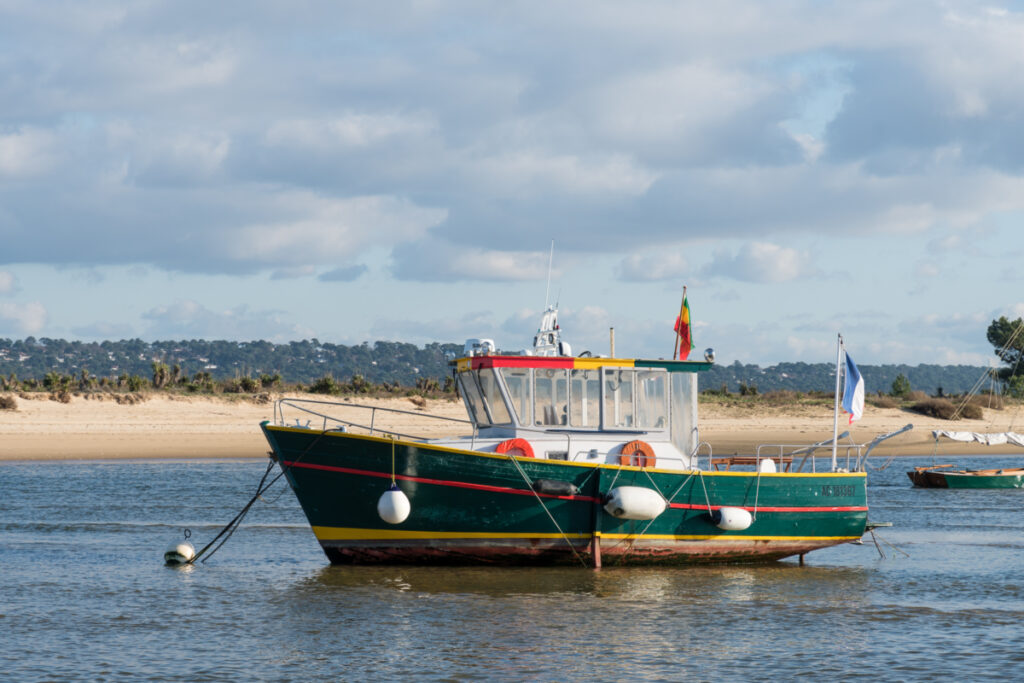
(84, 595)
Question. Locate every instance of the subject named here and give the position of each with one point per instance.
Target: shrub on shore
(883, 402)
(944, 409)
(8, 403)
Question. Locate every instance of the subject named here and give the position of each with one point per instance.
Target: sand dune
(166, 426)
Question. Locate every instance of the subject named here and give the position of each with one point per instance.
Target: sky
(399, 171)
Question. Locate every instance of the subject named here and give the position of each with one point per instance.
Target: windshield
(550, 390)
(482, 395)
(517, 384)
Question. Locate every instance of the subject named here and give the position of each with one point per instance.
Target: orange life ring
(637, 453)
(520, 447)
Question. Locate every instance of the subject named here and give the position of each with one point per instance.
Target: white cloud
(650, 267)
(8, 283)
(678, 102)
(538, 172)
(28, 152)
(438, 261)
(762, 262)
(350, 130)
(21, 319)
(325, 230)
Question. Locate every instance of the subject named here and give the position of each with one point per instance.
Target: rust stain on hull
(619, 554)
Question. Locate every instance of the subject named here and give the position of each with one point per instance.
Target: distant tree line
(215, 361)
(807, 377)
(199, 365)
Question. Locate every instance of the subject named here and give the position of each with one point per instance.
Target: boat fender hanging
(767, 466)
(520, 447)
(731, 519)
(555, 487)
(634, 502)
(637, 453)
(181, 552)
(393, 506)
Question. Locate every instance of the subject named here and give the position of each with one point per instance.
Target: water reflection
(735, 583)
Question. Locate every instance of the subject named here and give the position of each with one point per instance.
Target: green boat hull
(984, 481)
(469, 507)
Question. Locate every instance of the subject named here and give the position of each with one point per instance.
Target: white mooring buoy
(394, 506)
(181, 552)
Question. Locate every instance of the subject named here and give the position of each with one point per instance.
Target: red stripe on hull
(529, 492)
(439, 482)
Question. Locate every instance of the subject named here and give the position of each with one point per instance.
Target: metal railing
(307, 407)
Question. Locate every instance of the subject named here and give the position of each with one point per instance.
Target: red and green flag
(684, 339)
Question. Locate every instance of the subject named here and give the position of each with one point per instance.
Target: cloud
(21, 319)
(670, 265)
(292, 273)
(322, 229)
(191, 320)
(30, 151)
(762, 262)
(343, 274)
(351, 130)
(8, 283)
(436, 261)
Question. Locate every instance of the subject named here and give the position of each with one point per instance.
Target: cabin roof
(576, 363)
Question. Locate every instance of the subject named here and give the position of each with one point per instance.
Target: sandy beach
(167, 426)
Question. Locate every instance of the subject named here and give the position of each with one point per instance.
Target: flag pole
(682, 305)
(835, 428)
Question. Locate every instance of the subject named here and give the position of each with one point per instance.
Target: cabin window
(618, 399)
(491, 391)
(474, 400)
(652, 399)
(517, 383)
(550, 391)
(585, 398)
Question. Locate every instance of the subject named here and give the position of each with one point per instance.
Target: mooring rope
(668, 501)
(233, 525)
(529, 484)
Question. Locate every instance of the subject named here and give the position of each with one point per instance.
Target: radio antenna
(547, 292)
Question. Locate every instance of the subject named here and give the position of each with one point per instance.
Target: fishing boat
(563, 459)
(942, 477)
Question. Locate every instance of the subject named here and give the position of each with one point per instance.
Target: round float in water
(394, 506)
(179, 553)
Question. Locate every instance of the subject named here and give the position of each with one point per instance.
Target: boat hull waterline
(470, 507)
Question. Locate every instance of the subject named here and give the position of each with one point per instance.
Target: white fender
(634, 502)
(732, 519)
(394, 506)
(767, 465)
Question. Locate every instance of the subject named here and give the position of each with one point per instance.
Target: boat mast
(835, 428)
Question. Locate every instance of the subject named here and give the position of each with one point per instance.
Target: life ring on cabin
(520, 447)
(637, 453)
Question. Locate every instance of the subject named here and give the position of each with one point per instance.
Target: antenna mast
(547, 291)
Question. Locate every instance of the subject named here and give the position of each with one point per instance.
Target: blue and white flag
(853, 392)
